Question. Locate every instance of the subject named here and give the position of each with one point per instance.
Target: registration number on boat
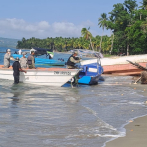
(62, 73)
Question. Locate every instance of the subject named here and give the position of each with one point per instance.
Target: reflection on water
(83, 116)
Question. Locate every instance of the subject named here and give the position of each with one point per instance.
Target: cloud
(18, 28)
(66, 29)
(21, 25)
(88, 23)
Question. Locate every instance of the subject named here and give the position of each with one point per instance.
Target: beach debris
(137, 125)
(131, 121)
(122, 94)
(137, 80)
(132, 130)
(146, 102)
(132, 110)
(134, 88)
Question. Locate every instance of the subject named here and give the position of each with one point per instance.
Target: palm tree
(144, 4)
(111, 26)
(102, 23)
(87, 35)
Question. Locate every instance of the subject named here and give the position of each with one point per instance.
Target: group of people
(19, 64)
(24, 63)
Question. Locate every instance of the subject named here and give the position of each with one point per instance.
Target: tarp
(41, 51)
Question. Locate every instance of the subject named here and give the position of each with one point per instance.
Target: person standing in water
(23, 61)
(31, 60)
(16, 70)
(7, 58)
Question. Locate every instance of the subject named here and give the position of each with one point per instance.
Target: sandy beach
(136, 133)
(136, 130)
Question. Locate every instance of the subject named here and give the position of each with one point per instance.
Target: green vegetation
(107, 55)
(127, 22)
(65, 44)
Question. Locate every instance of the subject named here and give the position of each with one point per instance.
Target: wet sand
(136, 130)
(136, 133)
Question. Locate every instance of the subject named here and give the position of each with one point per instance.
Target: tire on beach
(144, 77)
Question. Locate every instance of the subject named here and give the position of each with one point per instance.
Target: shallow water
(84, 116)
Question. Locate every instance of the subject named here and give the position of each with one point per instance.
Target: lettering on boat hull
(62, 73)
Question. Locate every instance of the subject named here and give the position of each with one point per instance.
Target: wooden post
(127, 49)
(112, 44)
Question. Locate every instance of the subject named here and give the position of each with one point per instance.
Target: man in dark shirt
(16, 69)
(31, 59)
(72, 60)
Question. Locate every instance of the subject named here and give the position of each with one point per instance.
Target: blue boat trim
(39, 61)
(84, 80)
(90, 74)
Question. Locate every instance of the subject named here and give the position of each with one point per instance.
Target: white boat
(41, 76)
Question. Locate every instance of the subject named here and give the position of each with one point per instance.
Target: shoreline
(136, 129)
(136, 132)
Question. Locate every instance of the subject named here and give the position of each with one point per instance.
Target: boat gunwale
(38, 69)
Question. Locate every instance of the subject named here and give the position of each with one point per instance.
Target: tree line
(65, 44)
(127, 22)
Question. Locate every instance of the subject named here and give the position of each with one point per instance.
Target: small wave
(121, 134)
(136, 103)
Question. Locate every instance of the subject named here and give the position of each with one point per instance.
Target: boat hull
(87, 80)
(41, 76)
(123, 69)
(89, 74)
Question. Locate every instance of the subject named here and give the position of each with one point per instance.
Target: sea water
(84, 116)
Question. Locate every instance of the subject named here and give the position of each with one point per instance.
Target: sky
(52, 18)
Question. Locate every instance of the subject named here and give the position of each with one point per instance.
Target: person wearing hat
(16, 70)
(23, 61)
(7, 59)
(31, 59)
(72, 60)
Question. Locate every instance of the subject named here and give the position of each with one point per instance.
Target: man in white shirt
(7, 59)
(23, 61)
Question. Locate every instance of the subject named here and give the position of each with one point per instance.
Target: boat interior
(42, 69)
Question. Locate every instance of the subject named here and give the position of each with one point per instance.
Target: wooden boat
(41, 76)
(120, 65)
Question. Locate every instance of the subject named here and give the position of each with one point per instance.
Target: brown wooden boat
(120, 65)
(123, 69)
